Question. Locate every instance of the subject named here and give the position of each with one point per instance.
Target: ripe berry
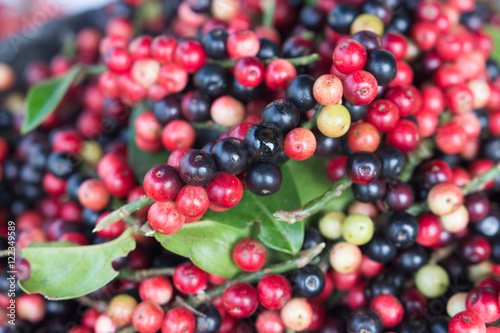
(349, 56)
(364, 320)
(163, 48)
(162, 183)
(240, 300)
(429, 229)
(274, 291)
(466, 321)
(360, 87)
(178, 134)
(269, 322)
(147, 317)
(450, 138)
(301, 93)
(157, 289)
(249, 72)
(475, 249)
(189, 55)
(363, 137)
(242, 44)
(279, 74)
(300, 144)
(120, 181)
(197, 168)
(444, 198)
(118, 60)
(263, 178)
(93, 194)
(165, 218)
(264, 141)
(230, 155)
(308, 281)
(483, 302)
(195, 106)
(172, 77)
(225, 191)
(211, 321)
(283, 114)
(404, 136)
(211, 79)
(189, 279)
(214, 43)
(388, 308)
(402, 229)
(179, 320)
(363, 167)
(192, 201)
(383, 114)
(250, 255)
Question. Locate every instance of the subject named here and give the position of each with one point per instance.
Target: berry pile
(177, 111)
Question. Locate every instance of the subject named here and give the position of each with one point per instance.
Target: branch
(95, 70)
(478, 183)
(304, 258)
(442, 253)
(124, 212)
(300, 61)
(311, 123)
(142, 274)
(268, 8)
(423, 151)
(316, 205)
(100, 306)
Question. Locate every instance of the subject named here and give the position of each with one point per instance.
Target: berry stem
(209, 125)
(142, 274)
(95, 70)
(303, 258)
(478, 183)
(422, 152)
(124, 212)
(268, 7)
(300, 61)
(316, 205)
(311, 123)
(100, 306)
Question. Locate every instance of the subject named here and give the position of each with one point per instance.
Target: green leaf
(209, 244)
(141, 161)
(277, 235)
(495, 35)
(44, 98)
(64, 271)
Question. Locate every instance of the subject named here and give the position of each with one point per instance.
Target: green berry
(357, 229)
(432, 281)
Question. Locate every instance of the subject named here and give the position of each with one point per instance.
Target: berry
(147, 317)
(93, 194)
(249, 72)
(263, 178)
(402, 229)
(179, 320)
(162, 183)
(308, 281)
(388, 308)
(274, 291)
(242, 44)
(357, 229)
(240, 300)
(192, 201)
(279, 74)
(364, 320)
(189, 279)
(334, 120)
(432, 281)
(345, 257)
(349, 56)
(483, 302)
(264, 141)
(466, 321)
(300, 144)
(211, 321)
(165, 218)
(230, 155)
(283, 114)
(363, 167)
(328, 90)
(301, 93)
(297, 314)
(197, 168)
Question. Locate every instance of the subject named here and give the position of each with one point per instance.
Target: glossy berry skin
(178, 134)
(444, 198)
(429, 229)
(404, 136)
(483, 302)
(92, 194)
(274, 291)
(118, 60)
(334, 120)
(283, 114)
(399, 196)
(162, 183)
(297, 314)
(62, 165)
(349, 56)
(264, 141)
(192, 201)
(179, 320)
(165, 218)
(190, 55)
(380, 249)
(230, 155)
(197, 168)
(269, 321)
(327, 90)
(382, 65)
(214, 43)
(211, 322)
(308, 281)
(249, 72)
(466, 321)
(477, 205)
(279, 74)
(402, 229)
(371, 192)
(211, 79)
(249, 255)
(360, 87)
(475, 249)
(300, 144)
(363, 167)
(450, 138)
(363, 137)
(157, 289)
(383, 114)
(388, 308)
(300, 93)
(240, 300)
(393, 161)
(243, 43)
(341, 17)
(147, 317)
(364, 320)
(263, 178)
(172, 77)
(189, 279)
(325, 146)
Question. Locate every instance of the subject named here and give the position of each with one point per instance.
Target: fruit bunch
(257, 166)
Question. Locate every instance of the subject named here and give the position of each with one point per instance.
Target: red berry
(67, 141)
(120, 181)
(243, 43)
(405, 135)
(300, 144)
(432, 99)
(147, 317)
(165, 218)
(178, 134)
(429, 229)
(157, 289)
(172, 77)
(192, 201)
(250, 255)
(279, 74)
(427, 123)
(162, 183)
(179, 320)
(383, 114)
(363, 137)
(189, 279)
(176, 156)
(395, 43)
(274, 291)
(484, 303)
(111, 231)
(475, 249)
(360, 87)
(269, 322)
(118, 60)
(450, 138)
(466, 321)
(139, 47)
(225, 190)
(336, 168)
(93, 195)
(407, 99)
(189, 54)
(388, 308)
(425, 35)
(327, 90)
(459, 98)
(349, 56)
(240, 300)
(249, 72)
(163, 48)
